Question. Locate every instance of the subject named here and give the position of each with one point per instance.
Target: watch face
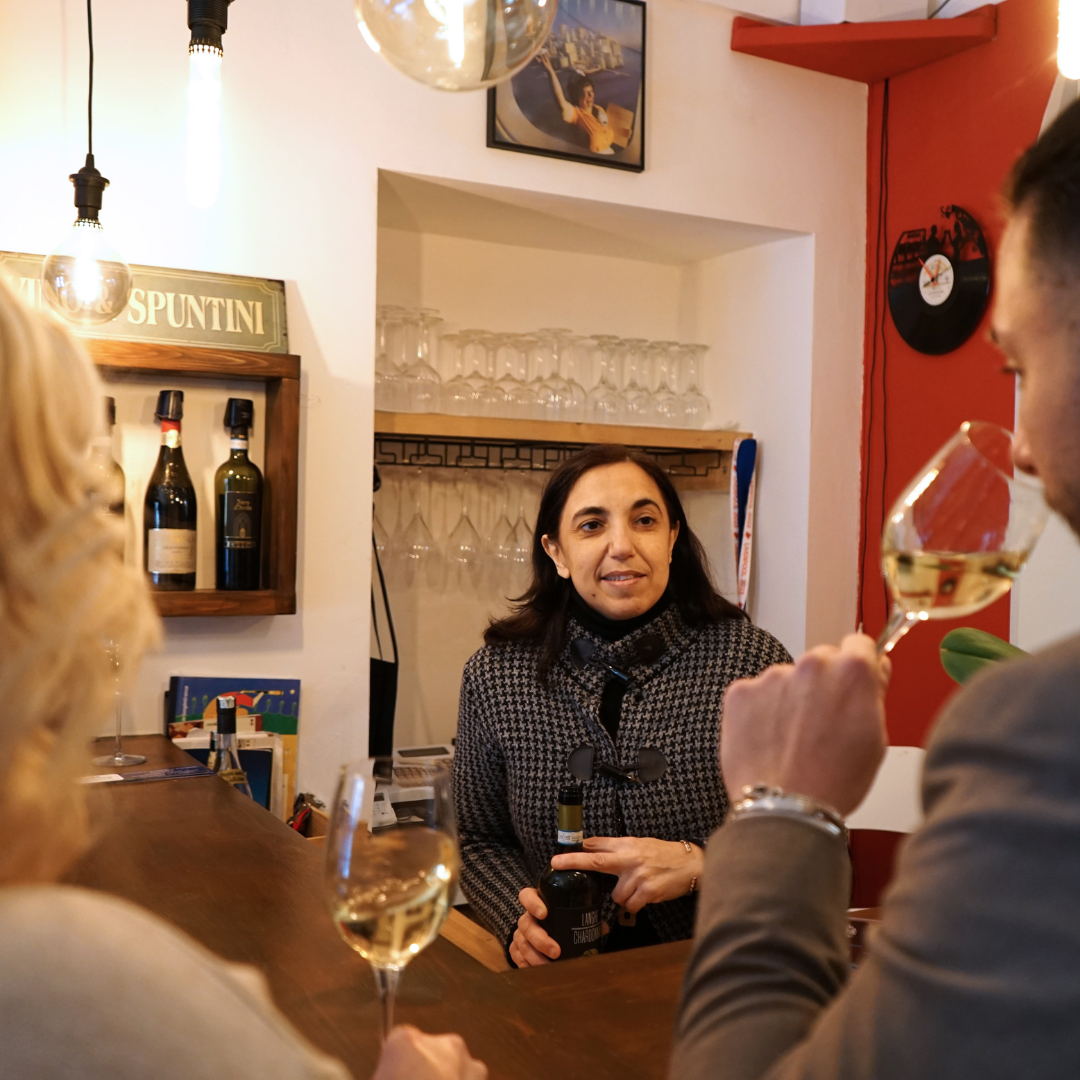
(936, 280)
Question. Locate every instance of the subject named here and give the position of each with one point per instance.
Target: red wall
(954, 129)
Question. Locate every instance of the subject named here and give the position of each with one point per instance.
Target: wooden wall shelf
(280, 373)
(866, 52)
(696, 460)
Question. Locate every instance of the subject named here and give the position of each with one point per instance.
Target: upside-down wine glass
(118, 759)
(602, 401)
(960, 532)
(389, 888)
(695, 405)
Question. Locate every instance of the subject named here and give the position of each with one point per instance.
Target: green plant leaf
(966, 651)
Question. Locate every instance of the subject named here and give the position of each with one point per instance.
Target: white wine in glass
(960, 532)
(389, 889)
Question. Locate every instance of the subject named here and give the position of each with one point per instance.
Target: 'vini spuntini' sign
(179, 307)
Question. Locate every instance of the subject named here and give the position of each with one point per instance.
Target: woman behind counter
(615, 565)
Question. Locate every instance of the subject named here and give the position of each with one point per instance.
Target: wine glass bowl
(960, 532)
(389, 888)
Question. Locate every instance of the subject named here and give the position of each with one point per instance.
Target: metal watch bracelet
(762, 799)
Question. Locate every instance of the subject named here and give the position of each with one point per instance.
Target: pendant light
(208, 20)
(85, 279)
(1068, 56)
(456, 44)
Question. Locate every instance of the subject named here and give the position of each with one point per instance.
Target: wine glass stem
(386, 980)
(119, 725)
(900, 622)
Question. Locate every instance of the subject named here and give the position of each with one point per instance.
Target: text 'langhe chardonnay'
(238, 491)
(169, 512)
(572, 897)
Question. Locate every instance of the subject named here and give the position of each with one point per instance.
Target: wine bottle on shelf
(572, 897)
(238, 491)
(112, 476)
(170, 511)
(224, 757)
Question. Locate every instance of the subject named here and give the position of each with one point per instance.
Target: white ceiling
(557, 222)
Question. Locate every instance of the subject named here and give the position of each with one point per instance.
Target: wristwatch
(762, 799)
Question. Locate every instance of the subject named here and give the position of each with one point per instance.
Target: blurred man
(975, 972)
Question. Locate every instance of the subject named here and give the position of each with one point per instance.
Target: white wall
(311, 115)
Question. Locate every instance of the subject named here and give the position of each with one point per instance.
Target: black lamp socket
(89, 185)
(208, 21)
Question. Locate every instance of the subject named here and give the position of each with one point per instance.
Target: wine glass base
(120, 760)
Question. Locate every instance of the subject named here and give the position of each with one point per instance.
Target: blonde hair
(66, 598)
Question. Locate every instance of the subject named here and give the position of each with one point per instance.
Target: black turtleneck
(613, 630)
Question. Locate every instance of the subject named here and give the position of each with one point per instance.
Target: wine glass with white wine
(960, 532)
(390, 887)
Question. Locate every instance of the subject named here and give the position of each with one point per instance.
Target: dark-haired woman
(619, 577)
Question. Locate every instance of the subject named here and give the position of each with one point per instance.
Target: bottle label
(233, 776)
(241, 526)
(170, 551)
(238, 444)
(567, 838)
(577, 930)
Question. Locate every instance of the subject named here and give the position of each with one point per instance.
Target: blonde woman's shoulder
(94, 985)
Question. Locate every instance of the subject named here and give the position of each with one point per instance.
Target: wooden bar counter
(219, 867)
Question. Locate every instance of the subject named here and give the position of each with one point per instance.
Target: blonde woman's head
(67, 603)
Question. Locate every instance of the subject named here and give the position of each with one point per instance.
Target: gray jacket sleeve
(493, 868)
(973, 971)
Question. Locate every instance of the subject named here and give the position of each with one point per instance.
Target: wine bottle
(224, 757)
(112, 476)
(238, 491)
(169, 512)
(572, 897)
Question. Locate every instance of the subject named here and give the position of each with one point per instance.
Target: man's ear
(554, 553)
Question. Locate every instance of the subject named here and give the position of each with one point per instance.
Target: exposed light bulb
(456, 44)
(204, 125)
(1068, 55)
(366, 34)
(85, 279)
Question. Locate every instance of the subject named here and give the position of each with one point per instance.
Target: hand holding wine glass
(389, 889)
(960, 532)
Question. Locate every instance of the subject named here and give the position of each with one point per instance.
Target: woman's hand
(546, 61)
(409, 1054)
(649, 871)
(532, 945)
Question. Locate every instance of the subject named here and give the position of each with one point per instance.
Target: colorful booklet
(262, 704)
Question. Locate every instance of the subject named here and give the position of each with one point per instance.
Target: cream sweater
(96, 988)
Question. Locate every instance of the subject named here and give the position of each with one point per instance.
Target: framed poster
(583, 97)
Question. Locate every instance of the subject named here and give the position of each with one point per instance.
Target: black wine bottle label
(241, 525)
(170, 551)
(577, 930)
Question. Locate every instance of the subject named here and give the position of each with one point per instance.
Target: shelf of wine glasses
(695, 459)
(280, 373)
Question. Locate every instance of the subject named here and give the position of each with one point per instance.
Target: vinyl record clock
(939, 282)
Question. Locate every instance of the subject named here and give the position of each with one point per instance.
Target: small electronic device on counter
(408, 784)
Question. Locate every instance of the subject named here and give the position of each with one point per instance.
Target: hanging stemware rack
(695, 459)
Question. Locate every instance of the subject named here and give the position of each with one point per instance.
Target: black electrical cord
(90, 94)
(884, 314)
(880, 237)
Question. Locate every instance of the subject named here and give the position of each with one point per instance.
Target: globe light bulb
(1068, 55)
(204, 125)
(456, 44)
(85, 280)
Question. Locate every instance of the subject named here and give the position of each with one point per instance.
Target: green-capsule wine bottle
(572, 897)
(238, 490)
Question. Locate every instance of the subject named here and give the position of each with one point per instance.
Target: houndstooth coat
(515, 735)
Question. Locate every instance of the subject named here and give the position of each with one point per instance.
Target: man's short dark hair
(1045, 183)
